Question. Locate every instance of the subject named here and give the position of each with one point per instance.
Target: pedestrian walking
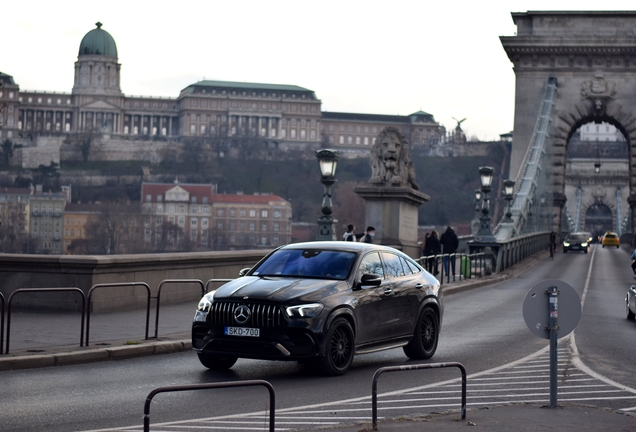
(423, 250)
(634, 262)
(350, 235)
(433, 248)
(449, 243)
(368, 235)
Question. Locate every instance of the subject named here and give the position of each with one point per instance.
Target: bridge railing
(517, 249)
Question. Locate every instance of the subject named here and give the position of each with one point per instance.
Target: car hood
(279, 289)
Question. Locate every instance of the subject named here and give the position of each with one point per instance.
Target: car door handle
(388, 291)
(419, 286)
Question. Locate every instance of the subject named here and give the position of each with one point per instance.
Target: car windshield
(577, 238)
(307, 263)
(610, 236)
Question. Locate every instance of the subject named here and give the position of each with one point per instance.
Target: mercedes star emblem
(242, 314)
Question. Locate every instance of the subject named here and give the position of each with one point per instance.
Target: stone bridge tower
(593, 57)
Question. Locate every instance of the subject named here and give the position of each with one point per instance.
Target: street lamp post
(485, 233)
(474, 226)
(509, 188)
(327, 160)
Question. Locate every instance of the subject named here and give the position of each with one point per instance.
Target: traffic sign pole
(553, 322)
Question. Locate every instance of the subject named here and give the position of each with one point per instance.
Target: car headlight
(305, 311)
(203, 308)
(583, 244)
(566, 244)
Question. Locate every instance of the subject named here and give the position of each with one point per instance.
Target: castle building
(281, 115)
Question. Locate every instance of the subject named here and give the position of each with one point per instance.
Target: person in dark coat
(368, 235)
(431, 249)
(449, 243)
(350, 234)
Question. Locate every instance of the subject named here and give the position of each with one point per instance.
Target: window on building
(220, 212)
(252, 213)
(263, 227)
(276, 226)
(252, 226)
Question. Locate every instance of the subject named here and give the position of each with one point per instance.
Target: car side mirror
(244, 271)
(369, 279)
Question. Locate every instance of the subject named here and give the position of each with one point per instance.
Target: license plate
(242, 331)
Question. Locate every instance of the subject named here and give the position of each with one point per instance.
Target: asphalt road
(483, 329)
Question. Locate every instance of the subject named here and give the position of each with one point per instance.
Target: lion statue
(390, 160)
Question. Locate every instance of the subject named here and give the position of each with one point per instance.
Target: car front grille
(261, 315)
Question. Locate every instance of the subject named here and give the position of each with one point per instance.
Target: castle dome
(98, 42)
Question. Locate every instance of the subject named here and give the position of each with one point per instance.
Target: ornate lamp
(327, 160)
(509, 189)
(485, 234)
(597, 162)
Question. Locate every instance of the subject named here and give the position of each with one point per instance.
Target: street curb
(94, 355)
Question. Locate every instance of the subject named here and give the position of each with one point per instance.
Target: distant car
(576, 242)
(630, 303)
(321, 302)
(610, 239)
(588, 235)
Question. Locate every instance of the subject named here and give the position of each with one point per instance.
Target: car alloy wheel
(424, 342)
(339, 348)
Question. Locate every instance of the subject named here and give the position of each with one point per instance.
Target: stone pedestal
(392, 211)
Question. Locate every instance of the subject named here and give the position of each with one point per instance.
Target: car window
(371, 264)
(577, 238)
(311, 263)
(393, 264)
(412, 265)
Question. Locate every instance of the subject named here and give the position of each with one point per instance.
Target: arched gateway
(592, 55)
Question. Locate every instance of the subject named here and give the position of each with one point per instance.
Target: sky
(395, 57)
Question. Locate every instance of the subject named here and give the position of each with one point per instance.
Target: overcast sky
(396, 57)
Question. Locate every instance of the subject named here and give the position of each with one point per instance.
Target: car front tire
(339, 348)
(630, 314)
(424, 342)
(216, 362)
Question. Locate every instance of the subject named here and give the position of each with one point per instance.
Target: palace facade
(283, 116)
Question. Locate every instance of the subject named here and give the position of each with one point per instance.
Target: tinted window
(393, 264)
(371, 264)
(307, 263)
(577, 238)
(408, 264)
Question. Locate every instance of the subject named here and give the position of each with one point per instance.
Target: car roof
(341, 245)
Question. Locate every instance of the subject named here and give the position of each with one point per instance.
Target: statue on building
(391, 163)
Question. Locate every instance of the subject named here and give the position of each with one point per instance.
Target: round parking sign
(537, 308)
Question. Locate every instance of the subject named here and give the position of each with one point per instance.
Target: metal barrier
(272, 396)
(475, 262)
(376, 376)
(21, 290)
(517, 249)
(115, 285)
(211, 281)
(173, 281)
(1, 323)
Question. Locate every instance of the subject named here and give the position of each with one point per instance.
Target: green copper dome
(98, 42)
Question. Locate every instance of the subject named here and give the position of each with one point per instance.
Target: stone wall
(47, 271)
